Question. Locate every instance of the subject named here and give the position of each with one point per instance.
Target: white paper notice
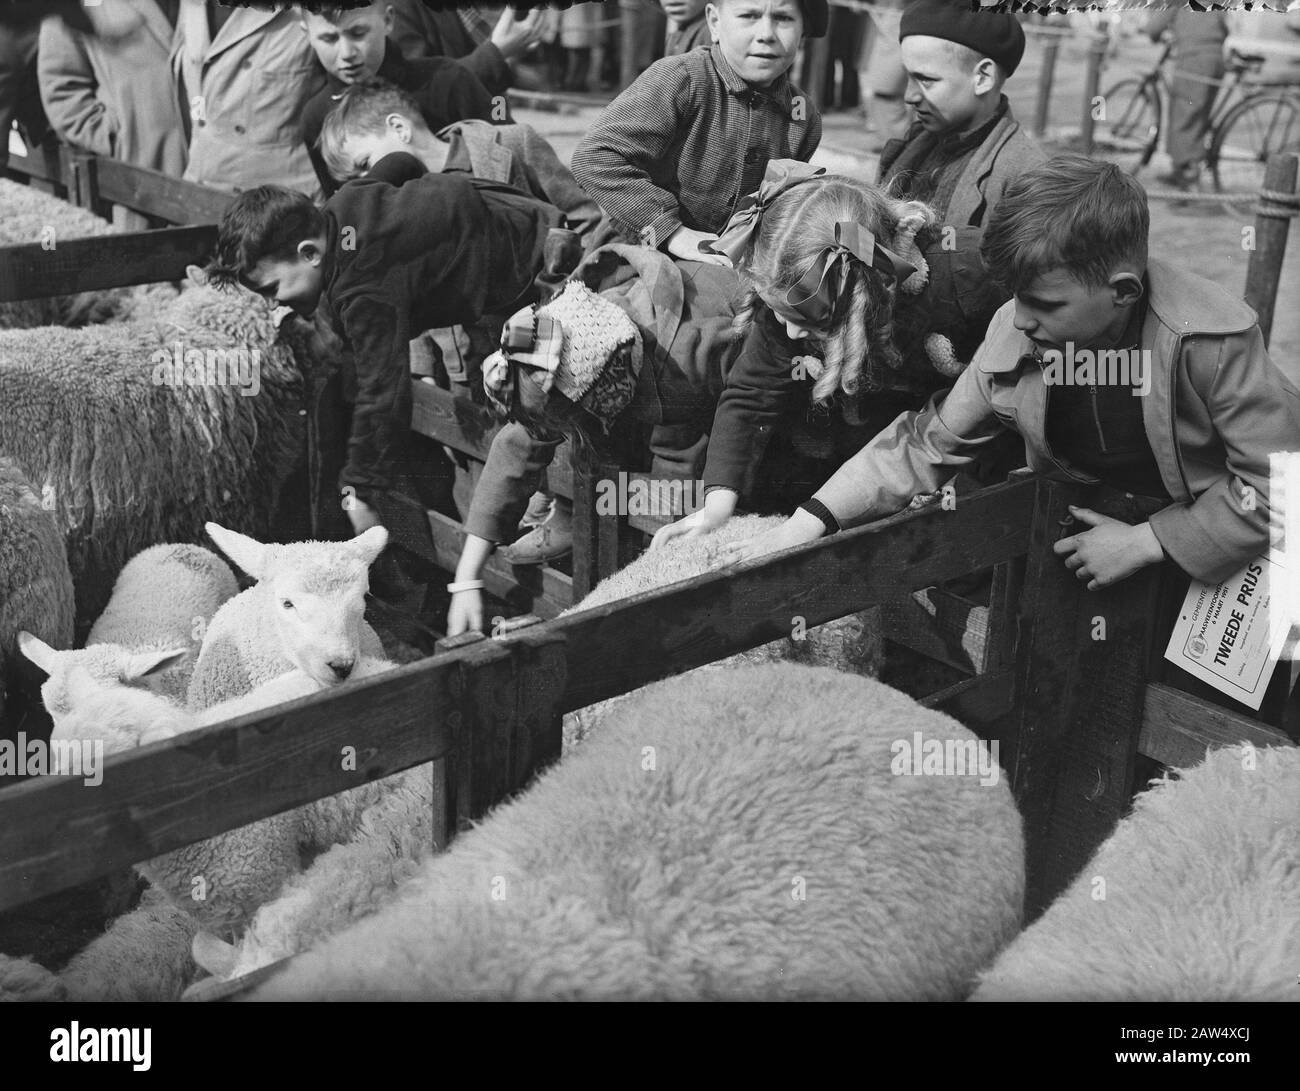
(1227, 635)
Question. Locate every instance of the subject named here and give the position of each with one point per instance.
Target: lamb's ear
(369, 545)
(142, 665)
(249, 554)
(40, 653)
(213, 954)
(197, 275)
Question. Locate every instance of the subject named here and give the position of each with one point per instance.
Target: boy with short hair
(374, 119)
(1070, 239)
(353, 47)
(386, 262)
(672, 156)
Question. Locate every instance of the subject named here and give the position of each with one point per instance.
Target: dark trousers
(1189, 112)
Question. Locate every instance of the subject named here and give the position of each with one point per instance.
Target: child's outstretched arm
(510, 476)
(913, 456)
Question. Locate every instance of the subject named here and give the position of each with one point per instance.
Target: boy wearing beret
(960, 153)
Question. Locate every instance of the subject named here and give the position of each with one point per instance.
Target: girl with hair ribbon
(830, 267)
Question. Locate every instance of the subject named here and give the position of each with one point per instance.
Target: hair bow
(813, 297)
(528, 339)
(738, 235)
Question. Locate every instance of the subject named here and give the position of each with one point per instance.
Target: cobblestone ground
(1203, 236)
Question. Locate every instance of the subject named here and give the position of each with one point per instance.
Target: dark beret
(989, 33)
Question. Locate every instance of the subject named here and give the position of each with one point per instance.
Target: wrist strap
(465, 585)
(818, 510)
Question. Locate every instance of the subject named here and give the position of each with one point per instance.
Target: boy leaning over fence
(1112, 368)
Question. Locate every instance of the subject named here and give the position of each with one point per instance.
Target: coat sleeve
(69, 90)
(457, 93)
(1255, 411)
(634, 134)
(915, 454)
(558, 185)
(512, 473)
(381, 418)
(489, 64)
(761, 387)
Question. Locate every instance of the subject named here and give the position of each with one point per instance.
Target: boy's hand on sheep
(719, 506)
(1110, 551)
(799, 529)
(685, 244)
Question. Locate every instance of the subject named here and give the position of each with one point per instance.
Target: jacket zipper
(1096, 417)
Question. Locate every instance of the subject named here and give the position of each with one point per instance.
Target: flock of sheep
(736, 832)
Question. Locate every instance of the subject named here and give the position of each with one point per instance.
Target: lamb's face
(123, 717)
(317, 613)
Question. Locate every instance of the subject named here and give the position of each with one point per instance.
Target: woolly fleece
(127, 463)
(852, 643)
(768, 852)
(35, 583)
(1202, 896)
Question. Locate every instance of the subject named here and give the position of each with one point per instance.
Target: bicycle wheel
(1261, 126)
(1129, 128)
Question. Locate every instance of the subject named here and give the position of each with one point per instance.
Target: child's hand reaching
(801, 527)
(719, 506)
(685, 244)
(1110, 551)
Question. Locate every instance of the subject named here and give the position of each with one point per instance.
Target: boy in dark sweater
(384, 263)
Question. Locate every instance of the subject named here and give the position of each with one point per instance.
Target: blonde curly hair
(860, 338)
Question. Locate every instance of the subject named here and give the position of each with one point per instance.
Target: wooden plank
(108, 261)
(1178, 728)
(539, 588)
(982, 703)
(149, 191)
(939, 625)
(452, 420)
(43, 162)
(56, 833)
(461, 424)
(620, 646)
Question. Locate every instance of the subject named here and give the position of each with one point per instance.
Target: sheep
(851, 643)
(129, 450)
(215, 884)
(35, 585)
(729, 834)
(305, 612)
(27, 217)
(1195, 896)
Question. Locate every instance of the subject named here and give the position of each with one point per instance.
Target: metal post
(1092, 79)
(1278, 202)
(1046, 75)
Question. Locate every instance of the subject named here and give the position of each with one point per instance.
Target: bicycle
(1249, 121)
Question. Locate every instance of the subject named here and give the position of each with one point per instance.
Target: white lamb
(728, 834)
(306, 612)
(1195, 896)
(236, 871)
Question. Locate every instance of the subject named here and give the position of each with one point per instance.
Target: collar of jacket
(488, 157)
(778, 91)
(1179, 305)
(194, 40)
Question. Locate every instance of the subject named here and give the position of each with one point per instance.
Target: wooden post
(1046, 75)
(1092, 80)
(816, 62)
(79, 168)
(1278, 202)
(595, 537)
(629, 24)
(1081, 663)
